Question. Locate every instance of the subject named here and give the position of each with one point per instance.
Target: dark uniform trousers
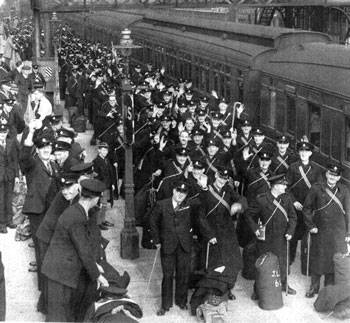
(179, 262)
(173, 229)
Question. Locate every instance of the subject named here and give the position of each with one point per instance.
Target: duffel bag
(268, 282)
(329, 296)
(342, 309)
(341, 269)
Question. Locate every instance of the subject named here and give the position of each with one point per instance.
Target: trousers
(177, 262)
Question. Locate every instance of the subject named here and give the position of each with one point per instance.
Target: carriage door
(314, 124)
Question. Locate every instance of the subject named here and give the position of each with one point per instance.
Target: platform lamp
(129, 237)
(55, 39)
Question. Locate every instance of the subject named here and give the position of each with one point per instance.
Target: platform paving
(22, 294)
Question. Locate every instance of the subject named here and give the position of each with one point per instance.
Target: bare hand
(158, 172)
(314, 230)
(16, 180)
(158, 245)
(214, 94)
(102, 281)
(213, 241)
(235, 208)
(162, 143)
(246, 153)
(239, 108)
(203, 181)
(298, 205)
(288, 236)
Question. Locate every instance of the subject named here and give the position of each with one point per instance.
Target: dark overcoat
(332, 223)
(216, 221)
(277, 225)
(70, 249)
(38, 181)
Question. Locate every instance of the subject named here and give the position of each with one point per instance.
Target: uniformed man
(217, 215)
(257, 182)
(66, 196)
(326, 212)
(9, 174)
(69, 260)
(282, 159)
(40, 171)
(272, 218)
(36, 76)
(175, 169)
(300, 176)
(171, 227)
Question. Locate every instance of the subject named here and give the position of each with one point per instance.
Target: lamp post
(129, 237)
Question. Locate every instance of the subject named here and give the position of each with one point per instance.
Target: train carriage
(304, 90)
(290, 80)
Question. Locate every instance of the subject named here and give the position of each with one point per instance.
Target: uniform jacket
(48, 224)
(216, 221)
(332, 223)
(280, 164)
(276, 227)
(171, 227)
(297, 185)
(256, 184)
(38, 181)
(9, 161)
(70, 249)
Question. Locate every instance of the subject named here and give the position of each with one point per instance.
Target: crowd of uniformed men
(218, 182)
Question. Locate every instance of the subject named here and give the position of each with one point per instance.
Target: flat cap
(334, 169)
(42, 142)
(304, 145)
(180, 151)
(213, 142)
(258, 132)
(198, 164)
(64, 132)
(83, 168)
(3, 127)
(223, 172)
(283, 139)
(278, 179)
(68, 178)
(264, 155)
(182, 186)
(61, 146)
(92, 187)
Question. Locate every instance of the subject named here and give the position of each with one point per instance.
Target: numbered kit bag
(268, 282)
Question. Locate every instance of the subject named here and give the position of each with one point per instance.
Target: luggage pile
(335, 299)
(113, 304)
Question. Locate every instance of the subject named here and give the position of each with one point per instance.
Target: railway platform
(22, 293)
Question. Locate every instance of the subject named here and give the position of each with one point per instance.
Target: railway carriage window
(291, 115)
(240, 85)
(347, 138)
(315, 124)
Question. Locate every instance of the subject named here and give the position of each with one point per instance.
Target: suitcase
(268, 282)
(79, 124)
(209, 313)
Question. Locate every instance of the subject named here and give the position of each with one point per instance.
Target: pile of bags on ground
(335, 299)
(112, 303)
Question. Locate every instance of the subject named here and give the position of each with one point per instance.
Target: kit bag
(268, 282)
